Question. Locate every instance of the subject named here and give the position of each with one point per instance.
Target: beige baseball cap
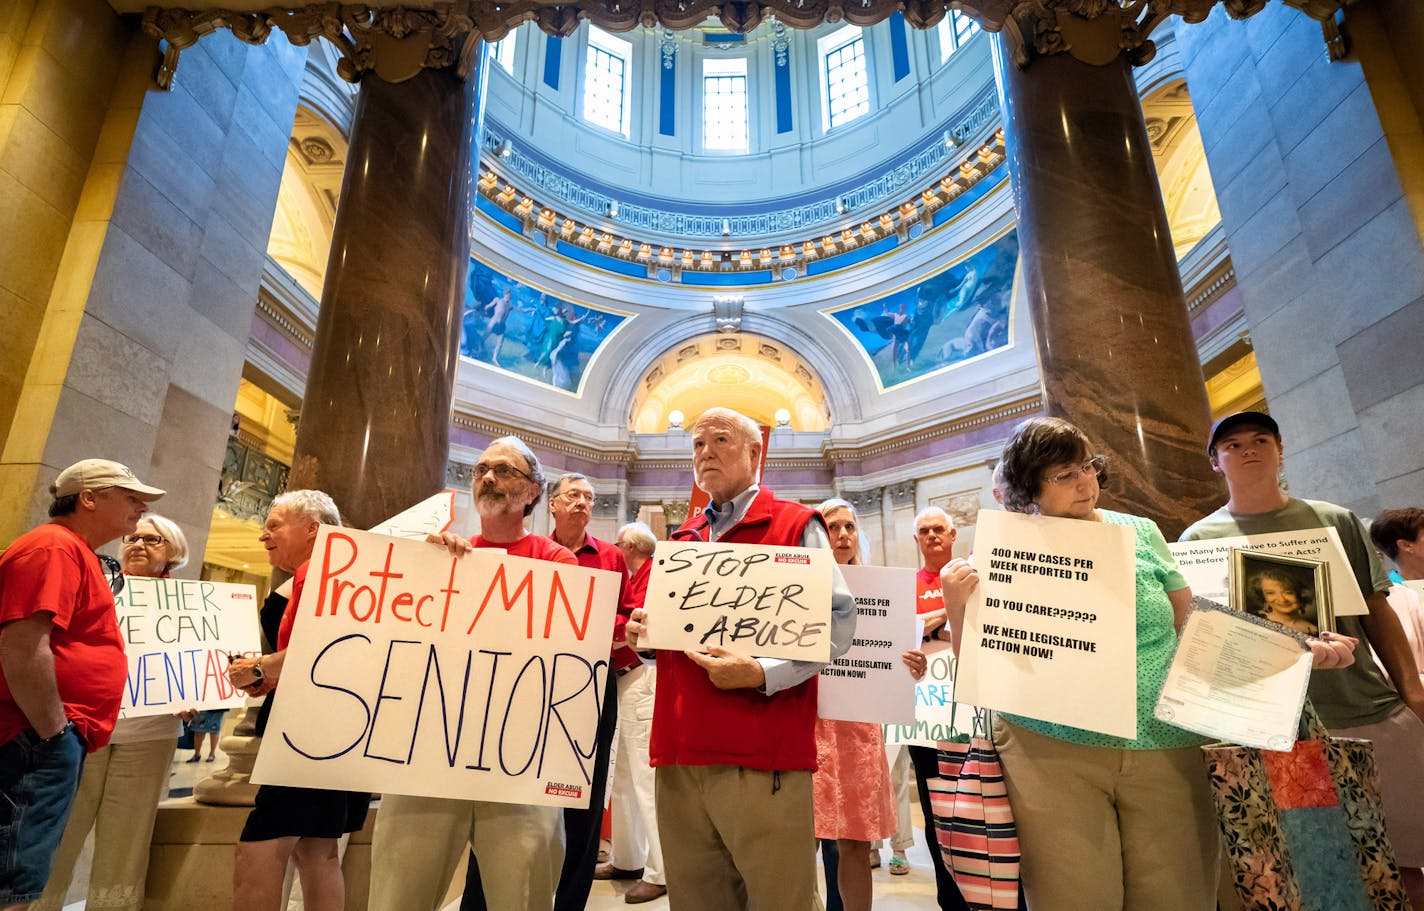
(93, 474)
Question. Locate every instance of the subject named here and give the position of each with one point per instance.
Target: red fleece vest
(694, 723)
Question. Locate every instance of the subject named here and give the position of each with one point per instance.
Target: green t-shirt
(1345, 697)
(1157, 574)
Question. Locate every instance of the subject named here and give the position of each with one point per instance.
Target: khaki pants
(419, 842)
(1110, 830)
(118, 797)
(635, 818)
(730, 842)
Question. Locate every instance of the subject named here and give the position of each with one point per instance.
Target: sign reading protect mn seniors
(1051, 631)
(870, 681)
(414, 672)
(763, 601)
(178, 634)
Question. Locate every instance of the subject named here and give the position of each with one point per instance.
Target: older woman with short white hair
(123, 782)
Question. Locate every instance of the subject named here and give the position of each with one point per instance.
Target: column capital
(1095, 31)
(395, 43)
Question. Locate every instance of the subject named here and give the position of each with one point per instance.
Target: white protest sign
(414, 672)
(430, 516)
(1237, 679)
(1051, 630)
(1207, 564)
(178, 634)
(870, 681)
(763, 601)
(937, 717)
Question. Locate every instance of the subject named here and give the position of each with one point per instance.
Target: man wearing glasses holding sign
(733, 736)
(62, 660)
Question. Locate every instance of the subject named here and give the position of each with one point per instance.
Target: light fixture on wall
(952, 139)
(726, 227)
(783, 417)
(842, 205)
(506, 149)
(675, 419)
(612, 208)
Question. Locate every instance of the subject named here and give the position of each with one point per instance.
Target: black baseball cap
(1242, 419)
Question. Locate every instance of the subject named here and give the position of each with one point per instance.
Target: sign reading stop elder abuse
(1051, 630)
(178, 634)
(767, 602)
(414, 672)
(870, 682)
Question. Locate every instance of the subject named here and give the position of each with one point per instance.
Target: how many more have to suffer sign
(411, 671)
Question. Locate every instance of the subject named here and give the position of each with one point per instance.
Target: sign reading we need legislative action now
(178, 634)
(768, 602)
(414, 672)
(1051, 630)
(870, 681)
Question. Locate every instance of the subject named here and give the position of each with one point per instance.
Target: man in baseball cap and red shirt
(62, 664)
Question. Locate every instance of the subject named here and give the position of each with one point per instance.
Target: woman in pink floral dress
(853, 799)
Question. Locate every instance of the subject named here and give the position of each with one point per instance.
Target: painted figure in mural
(498, 322)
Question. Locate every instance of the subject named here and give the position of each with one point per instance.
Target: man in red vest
(733, 736)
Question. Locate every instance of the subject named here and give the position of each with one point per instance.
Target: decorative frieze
(902, 494)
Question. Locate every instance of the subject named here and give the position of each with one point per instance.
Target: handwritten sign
(870, 681)
(1207, 564)
(430, 516)
(937, 716)
(178, 634)
(1054, 617)
(414, 672)
(768, 602)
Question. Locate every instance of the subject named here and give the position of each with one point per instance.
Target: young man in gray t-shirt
(1356, 701)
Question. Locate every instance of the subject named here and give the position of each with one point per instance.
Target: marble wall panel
(1373, 273)
(1380, 361)
(1344, 136)
(217, 297)
(34, 233)
(1320, 408)
(161, 158)
(1391, 432)
(1336, 470)
(205, 344)
(167, 232)
(137, 293)
(1359, 196)
(40, 159)
(123, 374)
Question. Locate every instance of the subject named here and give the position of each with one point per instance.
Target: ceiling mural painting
(531, 333)
(957, 314)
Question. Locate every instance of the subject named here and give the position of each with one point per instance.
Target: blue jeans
(37, 784)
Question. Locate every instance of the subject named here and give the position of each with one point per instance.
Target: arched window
(954, 29)
(724, 105)
(845, 76)
(605, 81)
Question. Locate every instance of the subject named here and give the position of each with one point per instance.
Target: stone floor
(892, 893)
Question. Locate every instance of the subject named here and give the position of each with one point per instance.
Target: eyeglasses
(114, 571)
(577, 496)
(502, 471)
(147, 540)
(1093, 466)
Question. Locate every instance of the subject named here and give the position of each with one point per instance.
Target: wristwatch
(257, 674)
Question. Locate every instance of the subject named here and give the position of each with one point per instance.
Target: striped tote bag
(973, 823)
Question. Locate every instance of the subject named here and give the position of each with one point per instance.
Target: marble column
(1110, 322)
(376, 418)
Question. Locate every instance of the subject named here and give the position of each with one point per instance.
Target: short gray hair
(750, 429)
(312, 504)
(557, 487)
(536, 471)
(169, 531)
(639, 535)
(929, 510)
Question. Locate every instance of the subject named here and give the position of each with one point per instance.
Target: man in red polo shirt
(734, 736)
(62, 660)
(517, 850)
(571, 506)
